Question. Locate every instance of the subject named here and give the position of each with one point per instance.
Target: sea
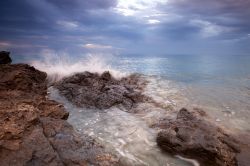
(217, 84)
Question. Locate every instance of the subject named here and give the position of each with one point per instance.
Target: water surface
(220, 85)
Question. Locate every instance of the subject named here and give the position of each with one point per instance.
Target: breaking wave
(58, 67)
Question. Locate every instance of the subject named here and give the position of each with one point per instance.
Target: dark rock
(34, 130)
(106, 75)
(102, 91)
(5, 57)
(192, 136)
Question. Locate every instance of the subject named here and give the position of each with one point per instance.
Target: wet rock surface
(192, 136)
(102, 91)
(34, 130)
(5, 57)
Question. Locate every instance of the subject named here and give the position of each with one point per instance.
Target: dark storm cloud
(49, 23)
(211, 7)
(83, 4)
(43, 14)
(228, 14)
(69, 24)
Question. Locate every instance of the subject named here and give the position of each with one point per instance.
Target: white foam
(192, 161)
(59, 66)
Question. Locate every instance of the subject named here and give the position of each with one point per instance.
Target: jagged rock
(5, 57)
(101, 91)
(192, 136)
(34, 130)
(20, 77)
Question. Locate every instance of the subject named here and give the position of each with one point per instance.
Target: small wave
(58, 67)
(193, 162)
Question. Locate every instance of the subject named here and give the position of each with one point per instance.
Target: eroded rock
(192, 136)
(102, 91)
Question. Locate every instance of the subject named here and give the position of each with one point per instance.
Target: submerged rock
(192, 136)
(102, 91)
(34, 130)
(5, 57)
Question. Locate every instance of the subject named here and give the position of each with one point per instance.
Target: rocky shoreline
(34, 130)
(192, 135)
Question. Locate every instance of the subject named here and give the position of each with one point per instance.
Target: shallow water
(125, 134)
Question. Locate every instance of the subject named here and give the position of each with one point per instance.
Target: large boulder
(101, 91)
(192, 136)
(5, 57)
(34, 130)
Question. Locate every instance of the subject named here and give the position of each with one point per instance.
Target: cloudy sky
(128, 27)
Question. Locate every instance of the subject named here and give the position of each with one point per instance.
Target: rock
(192, 136)
(24, 78)
(101, 91)
(34, 130)
(106, 75)
(52, 109)
(5, 57)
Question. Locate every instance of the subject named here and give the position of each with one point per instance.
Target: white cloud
(209, 29)
(4, 44)
(137, 8)
(153, 21)
(68, 24)
(97, 46)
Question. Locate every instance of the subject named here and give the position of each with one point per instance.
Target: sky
(125, 27)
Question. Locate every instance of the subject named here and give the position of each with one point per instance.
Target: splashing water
(58, 67)
(137, 144)
(125, 134)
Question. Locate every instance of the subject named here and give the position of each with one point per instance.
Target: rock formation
(192, 136)
(102, 91)
(5, 57)
(34, 130)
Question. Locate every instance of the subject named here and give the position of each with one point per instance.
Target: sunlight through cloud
(135, 7)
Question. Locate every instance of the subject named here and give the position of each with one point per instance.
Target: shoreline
(42, 122)
(34, 130)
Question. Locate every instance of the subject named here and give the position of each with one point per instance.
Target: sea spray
(191, 161)
(60, 66)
